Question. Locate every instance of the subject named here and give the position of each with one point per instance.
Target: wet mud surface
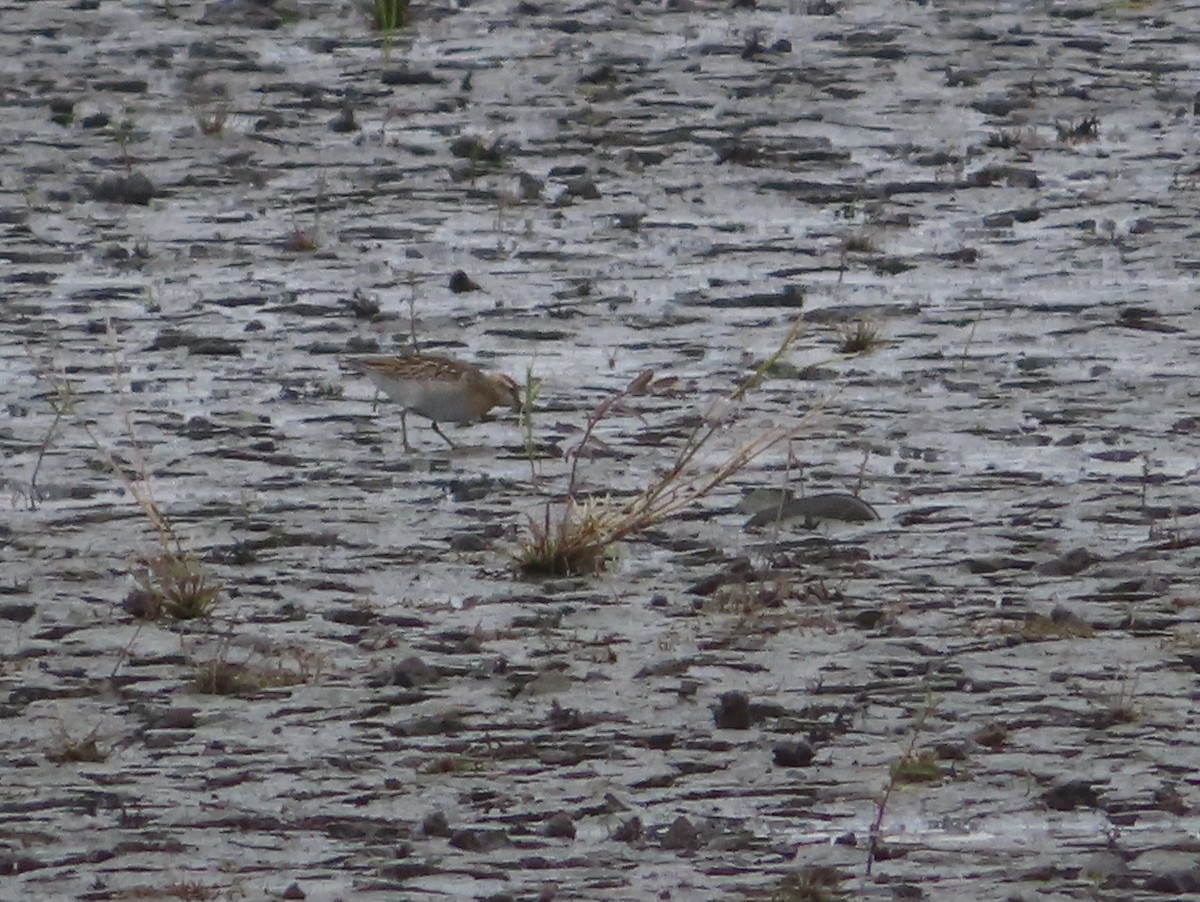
(205, 206)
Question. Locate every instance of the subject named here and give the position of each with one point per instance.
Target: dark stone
(345, 121)
(797, 753)
(1175, 883)
(468, 541)
(1074, 561)
(681, 835)
(583, 188)
(122, 85)
(142, 605)
(461, 283)
(62, 111)
(603, 75)
(413, 672)
(1072, 794)
(435, 824)
(733, 712)
(629, 831)
(214, 347)
(560, 826)
(170, 718)
(405, 76)
(245, 13)
(350, 616)
(362, 305)
(529, 186)
(133, 188)
(479, 840)
(18, 612)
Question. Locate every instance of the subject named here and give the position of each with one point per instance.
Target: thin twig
(893, 779)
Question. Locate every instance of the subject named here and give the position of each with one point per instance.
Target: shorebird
(437, 388)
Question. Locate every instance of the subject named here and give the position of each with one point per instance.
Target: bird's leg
(404, 430)
(442, 434)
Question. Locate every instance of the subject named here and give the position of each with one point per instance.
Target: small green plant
(860, 338)
(529, 397)
(917, 767)
(388, 17)
(124, 133)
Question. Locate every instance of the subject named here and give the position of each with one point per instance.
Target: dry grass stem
(578, 536)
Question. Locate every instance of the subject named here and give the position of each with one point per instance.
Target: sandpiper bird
(437, 388)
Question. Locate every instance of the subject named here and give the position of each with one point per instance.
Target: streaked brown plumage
(438, 388)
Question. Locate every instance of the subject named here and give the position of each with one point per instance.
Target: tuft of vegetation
(1005, 139)
(211, 120)
(858, 244)
(811, 884)
(917, 767)
(479, 153)
(860, 338)
(450, 764)
(389, 15)
(1086, 129)
(576, 540)
(76, 751)
(171, 581)
(301, 241)
(185, 890)
(993, 736)
(124, 133)
(530, 392)
(306, 239)
(1060, 624)
(576, 535)
(176, 585)
(223, 677)
(911, 764)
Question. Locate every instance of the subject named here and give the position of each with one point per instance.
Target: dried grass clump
(177, 586)
(222, 677)
(811, 884)
(577, 536)
(171, 581)
(859, 338)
